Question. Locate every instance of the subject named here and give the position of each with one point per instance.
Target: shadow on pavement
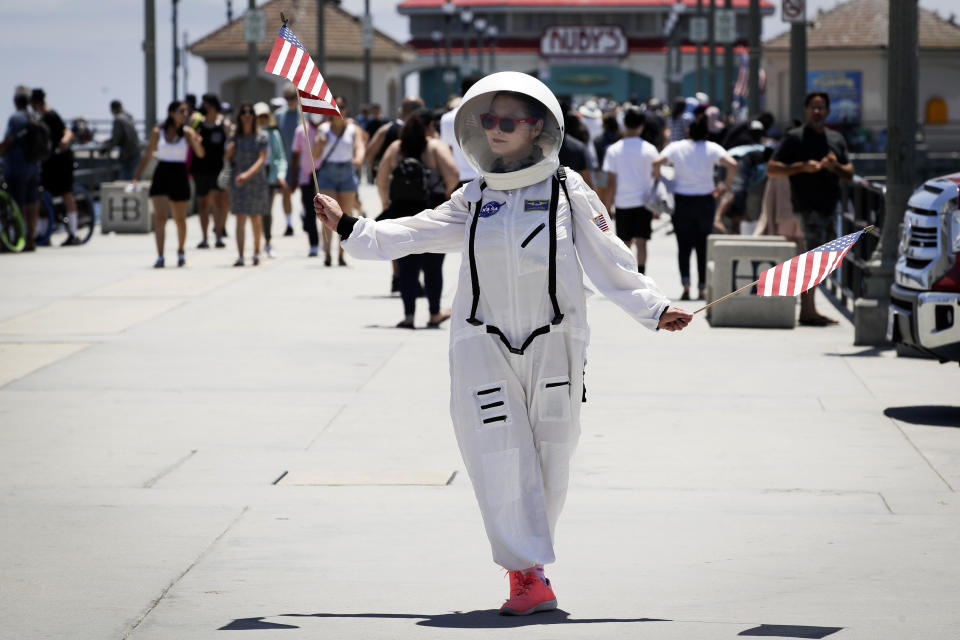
(930, 415)
(872, 352)
(481, 619)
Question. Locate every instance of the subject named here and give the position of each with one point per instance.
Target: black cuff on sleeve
(345, 226)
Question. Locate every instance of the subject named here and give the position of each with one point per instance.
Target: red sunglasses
(507, 125)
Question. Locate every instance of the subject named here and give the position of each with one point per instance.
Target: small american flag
(601, 221)
(289, 59)
(807, 270)
(316, 105)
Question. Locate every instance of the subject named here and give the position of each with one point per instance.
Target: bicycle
(13, 229)
(57, 216)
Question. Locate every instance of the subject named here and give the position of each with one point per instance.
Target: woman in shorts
(170, 187)
(342, 149)
(213, 130)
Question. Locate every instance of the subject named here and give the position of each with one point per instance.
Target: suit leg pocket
(554, 404)
(493, 409)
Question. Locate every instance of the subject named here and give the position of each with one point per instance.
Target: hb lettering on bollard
(125, 210)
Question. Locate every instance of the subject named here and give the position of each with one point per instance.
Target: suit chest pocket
(533, 246)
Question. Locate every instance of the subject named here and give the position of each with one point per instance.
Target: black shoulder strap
(474, 276)
(562, 175)
(559, 179)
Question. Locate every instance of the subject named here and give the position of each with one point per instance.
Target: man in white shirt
(629, 164)
(446, 134)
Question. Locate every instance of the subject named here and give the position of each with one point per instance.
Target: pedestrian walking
(342, 149)
(611, 133)
(655, 129)
(24, 143)
(213, 129)
(417, 172)
(388, 132)
(519, 332)
(815, 159)
(680, 120)
(276, 167)
(631, 177)
(302, 165)
(467, 172)
(56, 172)
(695, 192)
(170, 185)
(737, 207)
(249, 190)
(288, 122)
(576, 151)
(123, 135)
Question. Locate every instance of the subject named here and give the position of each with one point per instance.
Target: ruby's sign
(584, 42)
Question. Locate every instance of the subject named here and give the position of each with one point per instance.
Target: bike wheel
(13, 230)
(85, 215)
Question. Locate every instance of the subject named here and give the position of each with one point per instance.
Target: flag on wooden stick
(807, 270)
(289, 59)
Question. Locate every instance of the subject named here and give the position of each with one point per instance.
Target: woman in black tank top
(213, 133)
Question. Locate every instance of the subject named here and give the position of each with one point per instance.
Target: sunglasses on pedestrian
(507, 125)
(246, 112)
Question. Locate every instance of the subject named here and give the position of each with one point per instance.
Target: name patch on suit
(491, 208)
(536, 205)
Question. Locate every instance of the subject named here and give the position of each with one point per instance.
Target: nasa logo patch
(536, 205)
(491, 208)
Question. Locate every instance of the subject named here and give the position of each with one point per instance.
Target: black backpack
(409, 184)
(35, 140)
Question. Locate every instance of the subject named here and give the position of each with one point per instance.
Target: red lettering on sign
(584, 41)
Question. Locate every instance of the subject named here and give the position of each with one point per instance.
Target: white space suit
(517, 347)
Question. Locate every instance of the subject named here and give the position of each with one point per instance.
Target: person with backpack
(519, 331)
(25, 144)
(56, 171)
(417, 172)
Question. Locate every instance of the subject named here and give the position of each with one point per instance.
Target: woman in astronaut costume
(518, 329)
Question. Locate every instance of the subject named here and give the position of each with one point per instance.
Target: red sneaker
(528, 594)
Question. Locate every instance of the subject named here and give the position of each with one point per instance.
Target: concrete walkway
(729, 482)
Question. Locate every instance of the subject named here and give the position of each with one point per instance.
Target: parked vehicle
(925, 297)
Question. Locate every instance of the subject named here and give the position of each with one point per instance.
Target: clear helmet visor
(505, 126)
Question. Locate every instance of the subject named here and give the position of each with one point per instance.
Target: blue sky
(85, 54)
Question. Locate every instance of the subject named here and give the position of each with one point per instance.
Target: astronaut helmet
(510, 128)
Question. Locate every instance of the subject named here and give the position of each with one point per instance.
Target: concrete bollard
(125, 211)
(735, 261)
